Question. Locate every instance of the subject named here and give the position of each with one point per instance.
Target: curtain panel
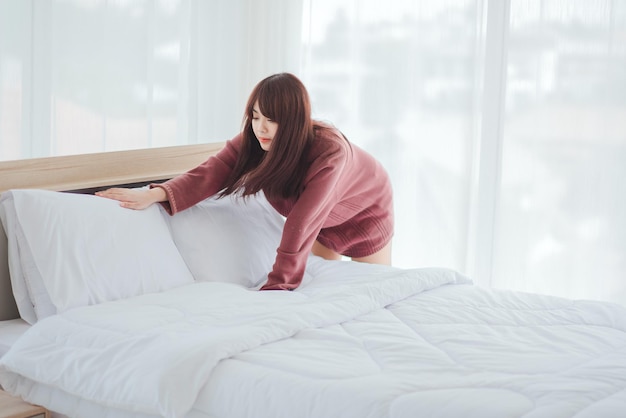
(503, 126)
(81, 76)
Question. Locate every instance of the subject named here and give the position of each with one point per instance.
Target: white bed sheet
(10, 331)
(446, 351)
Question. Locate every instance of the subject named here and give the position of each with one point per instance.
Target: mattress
(10, 331)
(353, 342)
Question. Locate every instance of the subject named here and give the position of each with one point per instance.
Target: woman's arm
(307, 218)
(186, 189)
(201, 182)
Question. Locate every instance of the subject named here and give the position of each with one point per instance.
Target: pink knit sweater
(346, 204)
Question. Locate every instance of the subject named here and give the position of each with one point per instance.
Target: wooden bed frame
(89, 173)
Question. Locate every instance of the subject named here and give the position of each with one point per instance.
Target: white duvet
(353, 341)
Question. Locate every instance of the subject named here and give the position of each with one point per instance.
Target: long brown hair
(280, 171)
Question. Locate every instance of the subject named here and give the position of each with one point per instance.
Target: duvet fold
(152, 354)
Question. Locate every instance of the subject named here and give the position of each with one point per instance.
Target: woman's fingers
(114, 193)
(131, 199)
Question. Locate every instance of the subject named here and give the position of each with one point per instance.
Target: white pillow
(18, 283)
(74, 250)
(232, 239)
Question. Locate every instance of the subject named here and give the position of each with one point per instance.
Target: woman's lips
(264, 139)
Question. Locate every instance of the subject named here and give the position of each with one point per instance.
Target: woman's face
(264, 128)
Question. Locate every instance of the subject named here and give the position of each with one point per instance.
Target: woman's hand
(134, 198)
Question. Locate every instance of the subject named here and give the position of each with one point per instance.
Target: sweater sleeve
(306, 219)
(202, 181)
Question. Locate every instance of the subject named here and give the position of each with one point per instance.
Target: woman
(336, 198)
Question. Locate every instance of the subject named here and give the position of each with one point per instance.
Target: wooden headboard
(86, 174)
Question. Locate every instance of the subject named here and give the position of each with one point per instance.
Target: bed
(108, 312)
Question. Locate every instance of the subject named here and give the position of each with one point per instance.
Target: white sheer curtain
(560, 224)
(503, 126)
(399, 78)
(80, 76)
(501, 122)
